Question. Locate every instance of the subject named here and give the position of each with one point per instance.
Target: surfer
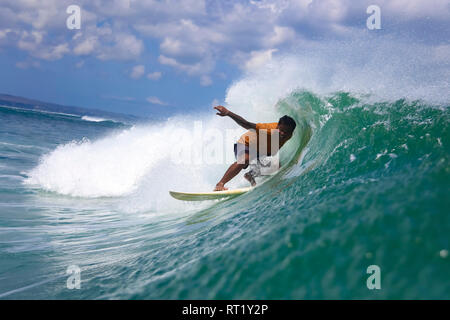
(247, 147)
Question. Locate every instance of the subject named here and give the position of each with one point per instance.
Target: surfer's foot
(250, 179)
(220, 187)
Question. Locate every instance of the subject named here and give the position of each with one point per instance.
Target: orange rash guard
(252, 138)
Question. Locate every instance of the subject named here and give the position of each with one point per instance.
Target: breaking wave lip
(380, 68)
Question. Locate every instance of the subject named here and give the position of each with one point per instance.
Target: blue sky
(148, 57)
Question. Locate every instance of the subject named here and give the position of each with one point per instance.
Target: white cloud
(171, 46)
(4, 33)
(205, 80)
(441, 53)
(124, 47)
(329, 10)
(198, 68)
(168, 61)
(194, 34)
(156, 100)
(106, 43)
(55, 52)
(86, 47)
(43, 32)
(259, 58)
(137, 71)
(412, 9)
(154, 75)
(27, 64)
(279, 36)
(32, 42)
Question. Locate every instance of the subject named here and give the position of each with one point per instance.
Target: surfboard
(212, 195)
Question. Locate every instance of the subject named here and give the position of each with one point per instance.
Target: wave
(145, 162)
(96, 119)
(364, 182)
(331, 91)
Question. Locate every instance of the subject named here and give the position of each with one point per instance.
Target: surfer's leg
(250, 178)
(232, 171)
(255, 171)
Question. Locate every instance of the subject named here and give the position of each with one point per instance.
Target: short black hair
(288, 121)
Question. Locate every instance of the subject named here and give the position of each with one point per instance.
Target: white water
(93, 119)
(143, 163)
(383, 68)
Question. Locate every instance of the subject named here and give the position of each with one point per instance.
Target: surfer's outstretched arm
(239, 120)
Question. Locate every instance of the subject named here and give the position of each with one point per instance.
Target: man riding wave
(256, 143)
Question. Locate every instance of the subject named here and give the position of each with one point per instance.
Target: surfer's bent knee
(242, 165)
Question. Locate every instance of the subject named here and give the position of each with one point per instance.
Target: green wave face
(366, 184)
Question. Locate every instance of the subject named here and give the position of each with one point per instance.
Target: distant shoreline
(39, 110)
(17, 102)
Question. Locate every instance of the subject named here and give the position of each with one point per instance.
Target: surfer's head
(286, 126)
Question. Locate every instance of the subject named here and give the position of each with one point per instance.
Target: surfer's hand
(222, 111)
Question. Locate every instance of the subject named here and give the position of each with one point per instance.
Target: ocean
(364, 182)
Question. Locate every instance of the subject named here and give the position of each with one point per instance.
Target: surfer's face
(285, 131)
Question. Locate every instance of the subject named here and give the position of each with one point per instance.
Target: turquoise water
(364, 182)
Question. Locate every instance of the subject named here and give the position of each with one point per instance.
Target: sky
(149, 57)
